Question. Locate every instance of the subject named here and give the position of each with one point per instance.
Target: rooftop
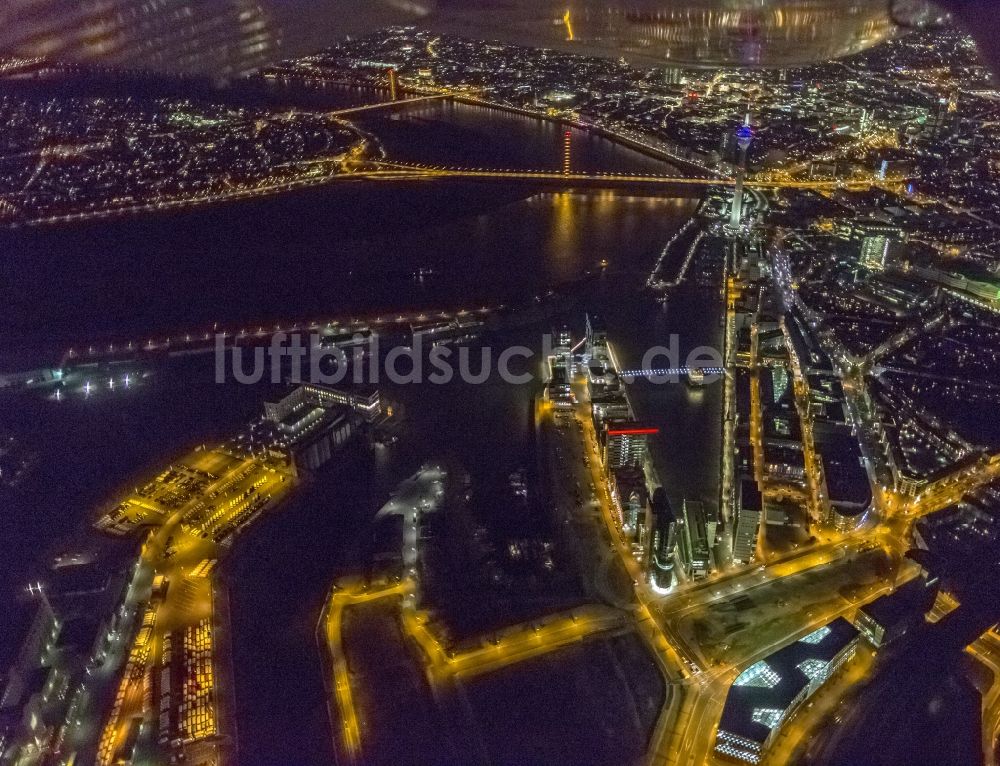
(913, 599)
(762, 694)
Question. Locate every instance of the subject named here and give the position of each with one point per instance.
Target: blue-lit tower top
(744, 136)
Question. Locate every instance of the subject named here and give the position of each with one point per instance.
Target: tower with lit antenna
(744, 137)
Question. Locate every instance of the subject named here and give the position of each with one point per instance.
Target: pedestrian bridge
(671, 372)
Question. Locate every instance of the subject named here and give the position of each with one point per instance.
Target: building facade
(749, 506)
(664, 541)
(764, 695)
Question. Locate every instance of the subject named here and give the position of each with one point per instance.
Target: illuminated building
(609, 405)
(66, 622)
(351, 338)
(848, 493)
(365, 400)
(597, 335)
(747, 523)
(624, 443)
(784, 459)
(695, 540)
(781, 429)
(875, 252)
(984, 288)
(558, 388)
(449, 331)
(629, 495)
(304, 428)
(39, 627)
(664, 542)
(888, 617)
(769, 691)
(556, 99)
(858, 230)
(563, 350)
(567, 151)
(185, 685)
(601, 379)
(784, 464)
(808, 355)
(695, 377)
(604, 387)
(563, 337)
(944, 117)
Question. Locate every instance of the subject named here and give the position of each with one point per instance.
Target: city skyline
(430, 398)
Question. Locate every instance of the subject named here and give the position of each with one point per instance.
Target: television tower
(744, 137)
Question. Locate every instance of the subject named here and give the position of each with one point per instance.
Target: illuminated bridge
(388, 104)
(400, 171)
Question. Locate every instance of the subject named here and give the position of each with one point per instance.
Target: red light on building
(634, 432)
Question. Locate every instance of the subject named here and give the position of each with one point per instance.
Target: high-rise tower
(744, 137)
(661, 559)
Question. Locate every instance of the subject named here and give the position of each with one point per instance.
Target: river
(336, 252)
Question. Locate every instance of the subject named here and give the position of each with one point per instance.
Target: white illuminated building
(765, 694)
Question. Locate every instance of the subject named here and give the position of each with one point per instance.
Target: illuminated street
(460, 383)
(192, 507)
(442, 664)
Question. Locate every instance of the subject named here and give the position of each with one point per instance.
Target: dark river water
(332, 253)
